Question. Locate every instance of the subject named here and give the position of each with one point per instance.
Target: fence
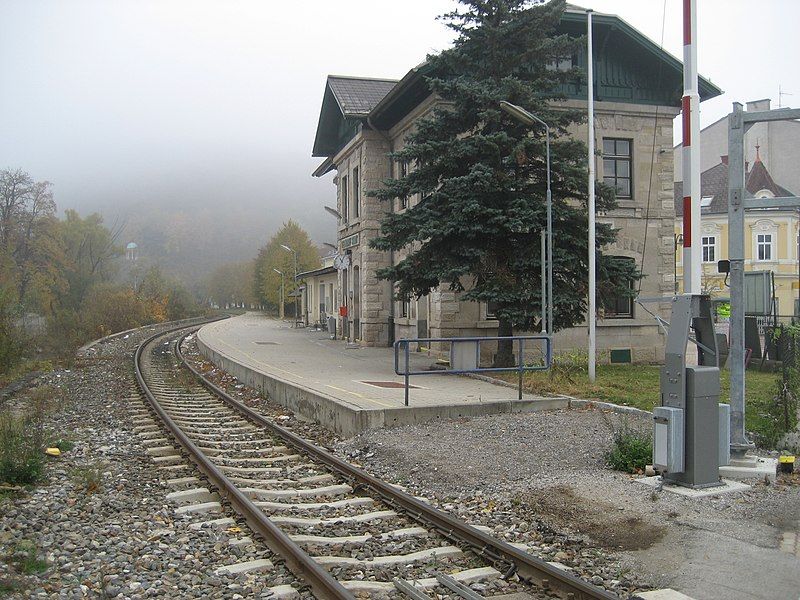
(465, 356)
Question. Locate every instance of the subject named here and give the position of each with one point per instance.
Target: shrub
(21, 442)
(631, 449)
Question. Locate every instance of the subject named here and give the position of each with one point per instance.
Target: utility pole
(280, 310)
(690, 108)
(592, 316)
(296, 296)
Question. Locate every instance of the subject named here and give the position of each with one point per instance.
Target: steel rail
(301, 564)
(528, 567)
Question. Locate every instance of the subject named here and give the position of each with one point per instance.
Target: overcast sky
(127, 104)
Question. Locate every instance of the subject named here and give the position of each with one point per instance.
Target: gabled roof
(346, 101)
(714, 185)
(629, 68)
(357, 96)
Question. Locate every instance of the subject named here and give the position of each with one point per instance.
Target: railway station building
(638, 88)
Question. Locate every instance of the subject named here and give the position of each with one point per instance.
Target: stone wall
(645, 222)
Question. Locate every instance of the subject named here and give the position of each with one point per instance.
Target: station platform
(343, 388)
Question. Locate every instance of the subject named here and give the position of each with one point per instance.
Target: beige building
(637, 95)
(771, 241)
(319, 293)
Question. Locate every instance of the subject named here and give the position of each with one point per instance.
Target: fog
(193, 120)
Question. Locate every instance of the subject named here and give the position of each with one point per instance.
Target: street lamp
(333, 247)
(296, 309)
(280, 312)
(333, 212)
(526, 118)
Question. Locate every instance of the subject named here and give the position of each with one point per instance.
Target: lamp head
(519, 113)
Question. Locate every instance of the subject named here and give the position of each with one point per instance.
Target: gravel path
(540, 477)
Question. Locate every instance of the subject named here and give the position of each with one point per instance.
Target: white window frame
(710, 246)
(768, 244)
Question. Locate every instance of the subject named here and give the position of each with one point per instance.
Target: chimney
(758, 105)
(724, 159)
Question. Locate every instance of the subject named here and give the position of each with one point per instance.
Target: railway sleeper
(284, 506)
(392, 559)
(327, 490)
(311, 521)
(359, 539)
(466, 577)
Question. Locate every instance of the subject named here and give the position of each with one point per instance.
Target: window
(356, 195)
(764, 246)
(345, 199)
(709, 244)
(617, 165)
(405, 308)
(403, 172)
(491, 310)
(618, 305)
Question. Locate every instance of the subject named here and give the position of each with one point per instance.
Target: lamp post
(526, 118)
(280, 312)
(294, 254)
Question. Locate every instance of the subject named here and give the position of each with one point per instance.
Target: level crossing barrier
(465, 356)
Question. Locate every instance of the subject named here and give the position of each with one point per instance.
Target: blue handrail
(521, 368)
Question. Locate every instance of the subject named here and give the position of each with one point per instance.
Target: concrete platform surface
(725, 487)
(347, 389)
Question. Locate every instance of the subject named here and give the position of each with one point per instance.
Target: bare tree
(15, 190)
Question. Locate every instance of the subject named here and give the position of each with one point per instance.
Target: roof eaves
(325, 167)
(408, 79)
(711, 90)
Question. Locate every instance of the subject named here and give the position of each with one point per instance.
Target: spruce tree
(481, 175)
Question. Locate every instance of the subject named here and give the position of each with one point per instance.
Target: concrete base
(665, 594)
(725, 487)
(751, 467)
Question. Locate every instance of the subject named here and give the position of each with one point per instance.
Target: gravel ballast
(100, 525)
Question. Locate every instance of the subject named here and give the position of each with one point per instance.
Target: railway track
(342, 532)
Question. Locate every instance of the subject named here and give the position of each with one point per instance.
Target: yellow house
(772, 237)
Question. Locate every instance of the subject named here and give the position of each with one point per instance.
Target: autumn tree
(271, 256)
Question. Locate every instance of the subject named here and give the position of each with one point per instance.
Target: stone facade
(645, 223)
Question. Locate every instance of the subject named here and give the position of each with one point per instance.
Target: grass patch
(63, 444)
(8, 586)
(631, 449)
(22, 369)
(638, 386)
(25, 558)
(88, 477)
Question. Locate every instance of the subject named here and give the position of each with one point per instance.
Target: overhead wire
(652, 158)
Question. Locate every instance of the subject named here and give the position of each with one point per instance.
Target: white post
(691, 153)
(592, 312)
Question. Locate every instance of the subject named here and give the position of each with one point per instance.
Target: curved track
(340, 530)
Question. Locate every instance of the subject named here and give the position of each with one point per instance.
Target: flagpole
(592, 311)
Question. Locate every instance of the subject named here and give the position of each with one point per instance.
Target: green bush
(631, 449)
(21, 445)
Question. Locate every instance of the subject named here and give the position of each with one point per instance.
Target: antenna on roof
(781, 94)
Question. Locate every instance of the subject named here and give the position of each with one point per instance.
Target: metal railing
(462, 363)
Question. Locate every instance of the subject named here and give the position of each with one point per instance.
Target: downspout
(390, 284)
